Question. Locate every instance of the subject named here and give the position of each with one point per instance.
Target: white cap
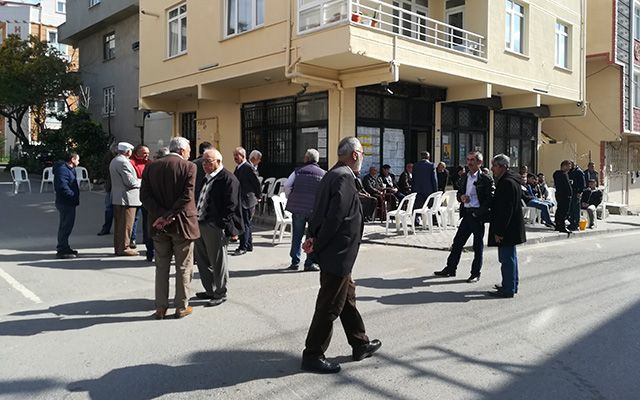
(124, 146)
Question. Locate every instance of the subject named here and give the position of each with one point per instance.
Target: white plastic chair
(260, 179)
(402, 215)
(428, 212)
(278, 185)
(449, 210)
(552, 198)
(82, 175)
(266, 186)
(282, 219)
(47, 177)
(531, 215)
(19, 176)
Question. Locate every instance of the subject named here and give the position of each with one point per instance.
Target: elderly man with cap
(125, 193)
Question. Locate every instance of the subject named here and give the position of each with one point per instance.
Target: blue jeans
(108, 213)
(509, 267)
(297, 232)
(67, 219)
(543, 206)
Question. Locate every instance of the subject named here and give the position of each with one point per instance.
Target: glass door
(455, 17)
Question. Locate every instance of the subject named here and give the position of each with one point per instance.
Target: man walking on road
(125, 193)
(335, 232)
(475, 194)
(219, 218)
(67, 199)
(507, 224)
(167, 194)
(250, 194)
(301, 189)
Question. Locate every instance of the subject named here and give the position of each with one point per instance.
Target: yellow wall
(599, 28)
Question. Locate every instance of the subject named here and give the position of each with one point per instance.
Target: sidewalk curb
(528, 242)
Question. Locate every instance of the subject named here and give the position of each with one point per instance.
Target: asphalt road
(76, 329)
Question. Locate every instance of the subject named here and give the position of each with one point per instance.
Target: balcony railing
(382, 16)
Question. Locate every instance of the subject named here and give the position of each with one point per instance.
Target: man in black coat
(475, 193)
(250, 193)
(220, 219)
(563, 195)
(578, 184)
(506, 229)
(335, 232)
(406, 180)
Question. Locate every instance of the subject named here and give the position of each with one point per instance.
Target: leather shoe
(183, 312)
(366, 350)
(319, 365)
(499, 287)
(160, 313)
(312, 267)
(128, 253)
(239, 252)
(102, 233)
(204, 296)
(293, 267)
(473, 279)
(216, 301)
(445, 272)
(66, 256)
(132, 244)
(500, 294)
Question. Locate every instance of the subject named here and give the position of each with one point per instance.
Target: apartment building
(447, 76)
(609, 135)
(25, 18)
(106, 33)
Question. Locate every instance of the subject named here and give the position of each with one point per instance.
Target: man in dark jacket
(301, 188)
(578, 184)
(219, 219)
(335, 232)
(67, 199)
(506, 229)
(202, 147)
(425, 181)
(591, 199)
(405, 181)
(250, 193)
(442, 174)
(475, 193)
(563, 195)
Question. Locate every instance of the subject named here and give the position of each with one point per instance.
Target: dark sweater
(65, 184)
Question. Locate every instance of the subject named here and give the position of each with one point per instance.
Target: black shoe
(473, 279)
(499, 287)
(216, 301)
(319, 365)
(66, 256)
(500, 294)
(239, 252)
(132, 244)
(312, 267)
(366, 350)
(549, 225)
(102, 233)
(204, 296)
(293, 267)
(445, 272)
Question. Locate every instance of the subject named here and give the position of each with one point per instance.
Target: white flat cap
(124, 146)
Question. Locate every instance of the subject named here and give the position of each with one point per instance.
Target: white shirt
(471, 190)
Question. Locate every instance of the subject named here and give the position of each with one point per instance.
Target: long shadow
(26, 257)
(205, 371)
(405, 283)
(27, 386)
(257, 272)
(426, 297)
(624, 223)
(94, 307)
(92, 264)
(30, 327)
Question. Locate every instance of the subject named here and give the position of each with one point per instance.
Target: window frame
(254, 17)
(64, 6)
(105, 42)
(93, 3)
(636, 88)
(510, 31)
(567, 44)
(108, 101)
(180, 18)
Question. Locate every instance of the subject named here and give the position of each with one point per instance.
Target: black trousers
(561, 213)
(469, 225)
(336, 299)
(246, 239)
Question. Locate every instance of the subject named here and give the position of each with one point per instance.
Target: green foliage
(31, 74)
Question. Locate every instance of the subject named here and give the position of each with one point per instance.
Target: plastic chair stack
(19, 176)
(402, 216)
(427, 212)
(47, 177)
(283, 219)
(82, 175)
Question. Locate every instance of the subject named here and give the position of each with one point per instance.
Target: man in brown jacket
(167, 193)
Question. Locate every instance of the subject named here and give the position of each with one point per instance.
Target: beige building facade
(405, 75)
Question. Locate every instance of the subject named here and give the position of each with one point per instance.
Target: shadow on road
(405, 283)
(426, 297)
(24, 386)
(26, 257)
(205, 371)
(251, 273)
(92, 264)
(95, 307)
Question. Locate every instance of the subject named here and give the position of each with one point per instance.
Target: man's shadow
(406, 283)
(204, 371)
(426, 297)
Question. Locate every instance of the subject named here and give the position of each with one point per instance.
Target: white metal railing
(383, 16)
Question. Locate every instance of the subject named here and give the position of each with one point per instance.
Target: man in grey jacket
(125, 193)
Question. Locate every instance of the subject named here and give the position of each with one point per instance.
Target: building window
(177, 30)
(109, 46)
(188, 130)
(514, 27)
(244, 15)
(109, 105)
(93, 3)
(562, 45)
(61, 6)
(52, 39)
(516, 136)
(314, 14)
(56, 107)
(636, 89)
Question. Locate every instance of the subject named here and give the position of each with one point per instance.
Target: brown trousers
(168, 245)
(123, 217)
(336, 298)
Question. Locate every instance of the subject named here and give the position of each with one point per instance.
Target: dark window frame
(522, 136)
(108, 51)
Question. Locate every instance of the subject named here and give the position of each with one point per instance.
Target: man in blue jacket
(67, 199)
(425, 181)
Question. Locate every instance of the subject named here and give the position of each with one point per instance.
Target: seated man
(591, 199)
(529, 195)
(406, 180)
(373, 186)
(542, 185)
(368, 202)
(388, 181)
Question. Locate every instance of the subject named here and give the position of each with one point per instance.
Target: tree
(31, 75)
